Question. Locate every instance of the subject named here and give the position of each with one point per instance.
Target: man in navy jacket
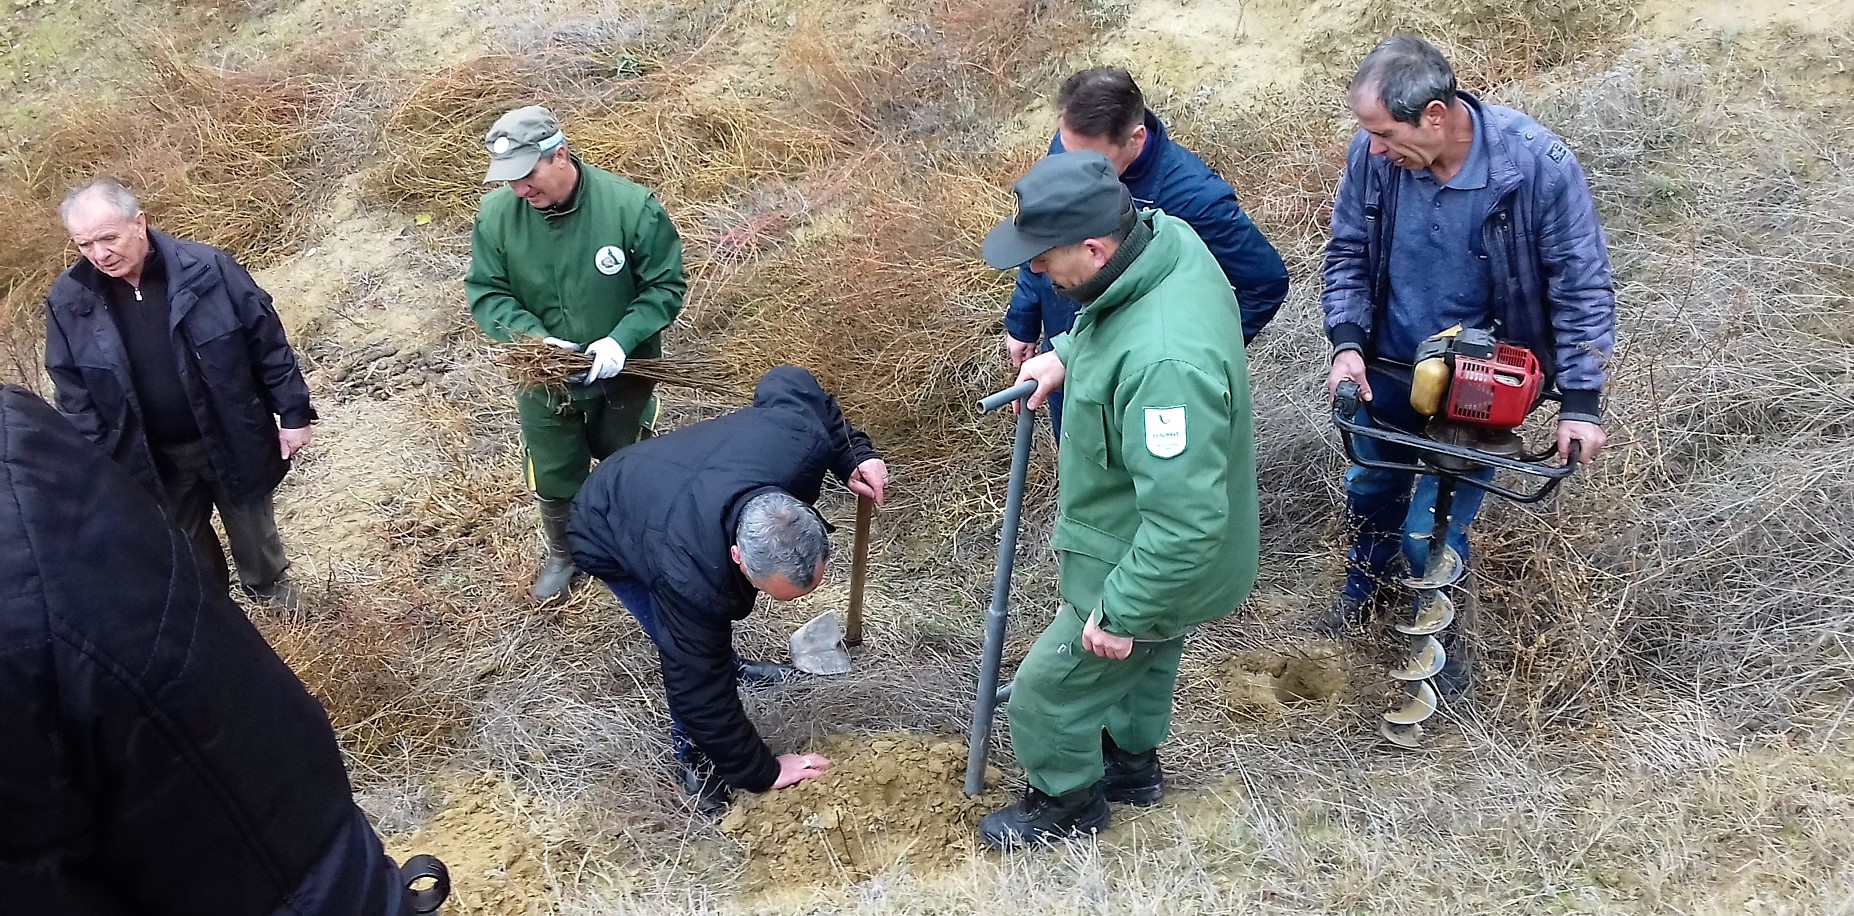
(689, 527)
(1103, 110)
(1453, 211)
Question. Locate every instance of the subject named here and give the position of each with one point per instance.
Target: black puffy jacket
(156, 757)
(663, 512)
(238, 370)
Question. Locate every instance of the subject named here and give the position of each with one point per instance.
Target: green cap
(517, 140)
(1063, 200)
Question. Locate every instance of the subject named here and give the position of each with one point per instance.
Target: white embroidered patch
(503, 144)
(609, 260)
(1165, 431)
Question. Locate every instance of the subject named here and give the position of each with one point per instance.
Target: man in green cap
(1157, 527)
(587, 261)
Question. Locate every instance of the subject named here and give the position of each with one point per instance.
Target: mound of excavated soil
(1266, 684)
(495, 859)
(889, 800)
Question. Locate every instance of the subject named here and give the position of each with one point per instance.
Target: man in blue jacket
(1452, 211)
(1103, 110)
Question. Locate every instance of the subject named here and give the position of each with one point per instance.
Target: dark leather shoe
(703, 786)
(1456, 679)
(1039, 818)
(754, 673)
(1346, 617)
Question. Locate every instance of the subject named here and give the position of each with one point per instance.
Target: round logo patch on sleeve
(609, 260)
(1165, 431)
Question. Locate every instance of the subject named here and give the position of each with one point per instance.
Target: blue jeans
(1388, 514)
(636, 599)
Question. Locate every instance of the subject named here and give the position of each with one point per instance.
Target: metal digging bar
(1435, 609)
(989, 693)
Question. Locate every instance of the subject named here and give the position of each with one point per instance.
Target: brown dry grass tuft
(688, 148)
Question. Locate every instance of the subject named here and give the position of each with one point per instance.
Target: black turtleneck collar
(1092, 288)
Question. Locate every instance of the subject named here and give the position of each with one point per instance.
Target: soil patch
(889, 801)
(1267, 684)
(496, 859)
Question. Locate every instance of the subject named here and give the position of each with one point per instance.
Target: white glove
(562, 344)
(607, 359)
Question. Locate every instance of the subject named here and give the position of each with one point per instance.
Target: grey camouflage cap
(517, 141)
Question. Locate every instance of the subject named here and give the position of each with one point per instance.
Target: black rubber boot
(755, 673)
(703, 785)
(1131, 779)
(556, 572)
(1039, 818)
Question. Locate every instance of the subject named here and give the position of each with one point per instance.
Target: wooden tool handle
(859, 567)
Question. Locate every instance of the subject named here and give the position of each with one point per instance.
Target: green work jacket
(1158, 525)
(608, 264)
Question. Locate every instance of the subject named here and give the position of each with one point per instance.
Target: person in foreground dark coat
(156, 757)
(687, 528)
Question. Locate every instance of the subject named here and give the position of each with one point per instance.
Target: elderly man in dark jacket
(1451, 212)
(158, 757)
(687, 528)
(1103, 110)
(168, 355)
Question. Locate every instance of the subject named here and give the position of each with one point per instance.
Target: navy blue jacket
(663, 512)
(1551, 290)
(1169, 177)
(239, 372)
(156, 757)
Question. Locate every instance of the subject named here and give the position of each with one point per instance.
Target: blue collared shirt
(1438, 272)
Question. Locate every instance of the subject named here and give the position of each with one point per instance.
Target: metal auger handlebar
(1436, 609)
(989, 694)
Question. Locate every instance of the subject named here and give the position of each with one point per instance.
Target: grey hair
(112, 191)
(779, 534)
(1408, 73)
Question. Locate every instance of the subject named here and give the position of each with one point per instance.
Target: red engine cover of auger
(1496, 392)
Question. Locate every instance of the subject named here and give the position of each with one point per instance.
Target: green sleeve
(657, 256)
(486, 285)
(1183, 500)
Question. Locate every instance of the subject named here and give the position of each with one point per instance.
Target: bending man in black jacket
(158, 757)
(687, 527)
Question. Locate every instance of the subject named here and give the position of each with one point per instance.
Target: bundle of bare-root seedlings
(539, 364)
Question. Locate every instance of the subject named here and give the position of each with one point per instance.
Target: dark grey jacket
(1551, 289)
(238, 370)
(156, 757)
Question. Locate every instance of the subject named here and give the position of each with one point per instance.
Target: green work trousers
(564, 434)
(1065, 696)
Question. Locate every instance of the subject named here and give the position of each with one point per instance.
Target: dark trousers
(250, 523)
(1394, 511)
(636, 599)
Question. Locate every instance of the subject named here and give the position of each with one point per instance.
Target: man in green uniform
(1157, 529)
(585, 260)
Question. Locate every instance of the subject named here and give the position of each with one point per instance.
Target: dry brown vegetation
(1667, 664)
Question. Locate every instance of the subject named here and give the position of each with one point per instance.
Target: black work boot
(1131, 779)
(704, 787)
(756, 673)
(1039, 818)
(557, 571)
